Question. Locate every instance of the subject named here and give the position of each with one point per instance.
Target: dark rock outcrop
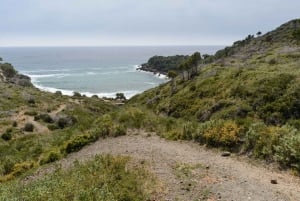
(21, 80)
(9, 75)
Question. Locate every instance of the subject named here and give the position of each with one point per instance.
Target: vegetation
(8, 70)
(244, 99)
(120, 96)
(22, 142)
(28, 127)
(105, 178)
(161, 64)
(7, 135)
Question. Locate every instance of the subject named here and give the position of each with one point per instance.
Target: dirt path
(22, 119)
(190, 172)
(58, 110)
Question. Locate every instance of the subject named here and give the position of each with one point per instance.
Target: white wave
(53, 90)
(151, 83)
(110, 68)
(162, 76)
(158, 75)
(35, 78)
(45, 70)
(128, 94)
(48, 75)
(91, 73)
(136, 67)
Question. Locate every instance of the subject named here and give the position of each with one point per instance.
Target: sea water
(102, 71)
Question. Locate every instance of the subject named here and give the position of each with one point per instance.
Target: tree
(8, 70)
(183, 68)
(76, 94)
(120, 96)
(296, 34)
(194, 62)
(207, 58)
(172, 75)
(258, 33)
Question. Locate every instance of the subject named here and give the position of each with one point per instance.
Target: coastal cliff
(9, 75)
(161, 64)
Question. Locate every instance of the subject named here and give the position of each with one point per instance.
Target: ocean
(102, 71)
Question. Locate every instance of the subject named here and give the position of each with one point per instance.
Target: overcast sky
(138, 22)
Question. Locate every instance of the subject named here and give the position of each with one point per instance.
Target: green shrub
(187, 131)
(28, 127)
(119, 130)
(8, 70)
(132, 116)
(58, 93)
(294, 123)
(7, 135)
(44, 117)
(287, 152)
(76, 143)
(262, 139)
(31, 113)
(220, 133)
(7, 165)
(31, 101)
(66, 121)
(173, 134)
(104, 125)
(62, 122)
(20, 168)
(15, 124)
(50, 157)
(52, 127)
(252, 135)
(272, 61)
(296, 34)
(76, 94)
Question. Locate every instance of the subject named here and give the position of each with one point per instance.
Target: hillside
(246, 99)
(36, 126)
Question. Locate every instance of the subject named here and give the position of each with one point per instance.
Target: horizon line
(37, 46)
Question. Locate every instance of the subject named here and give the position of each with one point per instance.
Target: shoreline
(128, 93)
(160, 75)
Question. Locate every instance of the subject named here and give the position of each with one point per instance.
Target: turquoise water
(103, 71)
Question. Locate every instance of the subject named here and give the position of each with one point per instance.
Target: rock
(21, 80)
(226, 154)
(204, 115)
(274, 181)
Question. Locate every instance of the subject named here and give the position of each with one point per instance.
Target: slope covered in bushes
(38, 127)
(246, 98)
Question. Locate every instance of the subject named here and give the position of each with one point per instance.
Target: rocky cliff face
(9, 75)
(21, 80)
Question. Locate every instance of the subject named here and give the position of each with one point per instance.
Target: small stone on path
(226, 154)
(274, 181)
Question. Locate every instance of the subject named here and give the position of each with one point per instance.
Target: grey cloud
(201, 21)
